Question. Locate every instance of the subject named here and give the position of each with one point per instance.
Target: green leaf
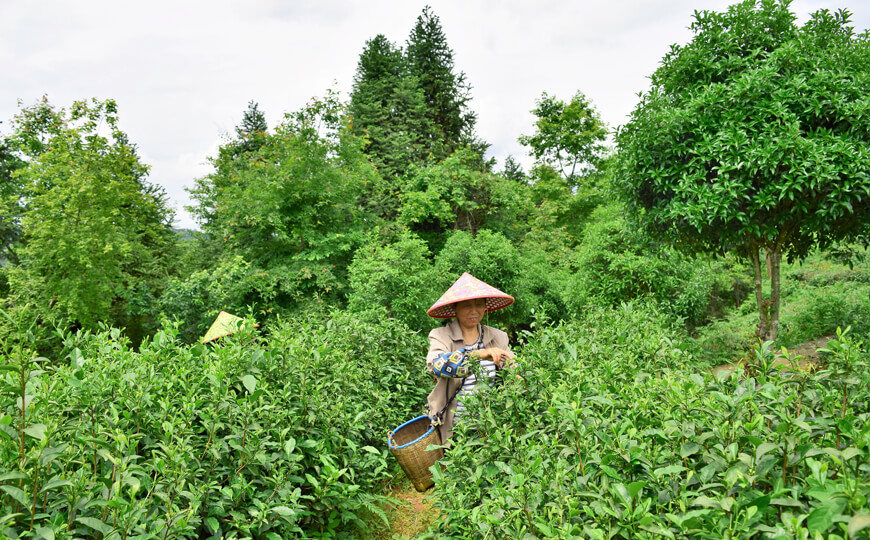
(670, 469)
(45, 532)
(17, 494)
(14, 475)
(37, 431)
(820, 519)
(763, 449)
(54, 483)
(212, 524)
(250, 383)
(634, 488)
(8, 431)
(96, 524)
(759, 502)
(786, 501)
(690, 448)
(283, 511)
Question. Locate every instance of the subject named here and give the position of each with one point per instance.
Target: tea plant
(240, 438)
(613, 434)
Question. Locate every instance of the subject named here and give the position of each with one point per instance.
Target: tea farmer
(462, 343)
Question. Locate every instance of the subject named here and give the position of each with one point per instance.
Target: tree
(455, 194)
(10, 202)
(753, 139)
(567, 135)
(446, 94)
(388, 109)
(252, 130)
(513, 170)
(290, 209)
(96, 236)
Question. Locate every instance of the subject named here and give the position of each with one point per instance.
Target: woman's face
(469, 313)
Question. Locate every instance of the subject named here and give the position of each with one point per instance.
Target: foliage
(611, 435)
(818, 296)
(232, 285)
(751, 138)
(250, 133)
(10, 199)
(290, 207)
(396, 275)
(388, 108)
(445, 93)
(237, 439)
(615, 264)
(457, 194)
(567, 135)
(96, 241)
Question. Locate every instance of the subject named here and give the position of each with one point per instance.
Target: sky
(183, 71)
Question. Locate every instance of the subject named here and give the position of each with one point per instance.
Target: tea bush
(240, 438)
(611, 434)
(397, 276)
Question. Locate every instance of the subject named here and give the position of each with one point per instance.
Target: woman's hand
(499, 357)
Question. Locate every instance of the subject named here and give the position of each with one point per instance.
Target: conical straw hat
(468, 287)
(224, 325)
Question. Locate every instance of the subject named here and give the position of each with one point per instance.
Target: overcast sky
(183, 71)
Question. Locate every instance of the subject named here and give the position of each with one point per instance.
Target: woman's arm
(439, 343)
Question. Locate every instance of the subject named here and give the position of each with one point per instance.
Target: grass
(818, 295)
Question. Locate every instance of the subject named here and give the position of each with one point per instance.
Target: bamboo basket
(408, 443)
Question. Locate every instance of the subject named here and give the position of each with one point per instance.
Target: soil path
(412, 517)
(808, 350)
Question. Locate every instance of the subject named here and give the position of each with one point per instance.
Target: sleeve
(441, 361)
(438, 344)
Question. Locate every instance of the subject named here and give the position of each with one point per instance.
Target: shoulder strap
(438, 418)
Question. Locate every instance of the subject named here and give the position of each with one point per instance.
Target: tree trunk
(774, 258)
(763, 328)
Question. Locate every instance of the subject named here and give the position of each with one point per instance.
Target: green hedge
(611, 433)
(240, 438)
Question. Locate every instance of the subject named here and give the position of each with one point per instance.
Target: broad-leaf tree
(456, 194)
(754, 139)
(290, 208)
(96, 237)
(568, 136)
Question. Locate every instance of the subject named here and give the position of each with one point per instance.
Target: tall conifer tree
(445, 92)
(387, 107)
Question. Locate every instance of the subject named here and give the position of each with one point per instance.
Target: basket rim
(418, 439)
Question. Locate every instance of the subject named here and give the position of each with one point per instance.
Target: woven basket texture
(414, 459)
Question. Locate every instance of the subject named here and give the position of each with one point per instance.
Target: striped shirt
(485, 366)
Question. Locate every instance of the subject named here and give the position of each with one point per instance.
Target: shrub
(240, 438)
(612, 434)
(396, 276)
(617, 265)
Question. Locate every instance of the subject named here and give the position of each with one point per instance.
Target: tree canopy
(95, 236)
(753, 138)
(568, 136)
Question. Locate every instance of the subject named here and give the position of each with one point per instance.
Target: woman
(454, 347)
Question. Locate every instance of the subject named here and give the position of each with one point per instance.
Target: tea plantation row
(236, 439)
(610, 433)
(613, 434)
